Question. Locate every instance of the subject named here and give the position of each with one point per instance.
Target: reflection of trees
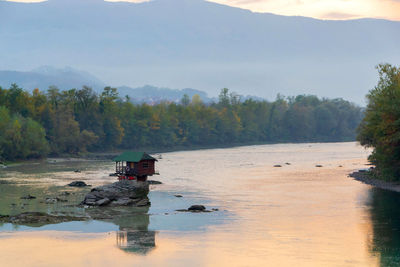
(133, 235)
(385, 217)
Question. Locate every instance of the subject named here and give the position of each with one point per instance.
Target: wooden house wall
(145, 171)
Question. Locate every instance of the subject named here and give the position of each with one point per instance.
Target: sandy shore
(365, 178)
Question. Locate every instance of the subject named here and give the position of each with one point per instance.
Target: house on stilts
(134, 166)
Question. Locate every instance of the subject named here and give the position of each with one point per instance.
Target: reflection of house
(134, 166)
(133, 235)
(136, 241)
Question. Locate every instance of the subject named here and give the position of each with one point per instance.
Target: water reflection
(133, 234)
(136, 241)
(385, 216)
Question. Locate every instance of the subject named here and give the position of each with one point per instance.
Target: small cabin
(134, 166)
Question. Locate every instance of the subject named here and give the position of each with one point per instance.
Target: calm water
(296, 215)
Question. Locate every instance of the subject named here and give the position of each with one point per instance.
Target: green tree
(113, 132)
(380, 128)
(185, 101)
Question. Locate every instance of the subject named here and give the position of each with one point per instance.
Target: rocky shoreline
(366, 177)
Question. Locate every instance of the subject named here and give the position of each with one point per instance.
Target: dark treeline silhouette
(71, 122)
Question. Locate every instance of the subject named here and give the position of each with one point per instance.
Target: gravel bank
(367, 179)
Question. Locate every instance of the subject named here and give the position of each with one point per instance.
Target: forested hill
(75, 121)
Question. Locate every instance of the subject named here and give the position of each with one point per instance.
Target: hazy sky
(323, 9)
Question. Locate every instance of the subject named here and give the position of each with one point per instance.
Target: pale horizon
(325, 10)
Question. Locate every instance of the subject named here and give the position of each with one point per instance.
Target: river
(294, 215)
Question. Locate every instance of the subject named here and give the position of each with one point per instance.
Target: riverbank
(108, 155)
(367, 178)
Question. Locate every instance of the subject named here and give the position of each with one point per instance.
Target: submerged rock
(121, 193)
(78, 184)
(154, 182)
(37, 218)
(28, 197)
(52, 200)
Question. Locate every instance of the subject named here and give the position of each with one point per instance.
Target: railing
(126, 171)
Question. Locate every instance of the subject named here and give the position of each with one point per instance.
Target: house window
(145, 165)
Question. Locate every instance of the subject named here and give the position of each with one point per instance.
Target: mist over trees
(79, 120)
(380, 128)
(232, 47)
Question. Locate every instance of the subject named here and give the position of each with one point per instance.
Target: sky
(321, 9)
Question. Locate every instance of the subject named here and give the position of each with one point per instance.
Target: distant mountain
(195, 43)
(68, 78)
(45, 76)
(152, 94)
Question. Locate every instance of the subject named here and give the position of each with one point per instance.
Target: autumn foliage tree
(79, 120)
(380, 128)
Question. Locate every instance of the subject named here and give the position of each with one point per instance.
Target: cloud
(339, 15)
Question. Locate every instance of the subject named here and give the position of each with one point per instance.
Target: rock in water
(197, 208)
(154, 182)
(28, 197)
(52, 200)
(78, 184)
(121, 193)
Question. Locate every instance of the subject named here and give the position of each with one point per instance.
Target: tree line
(75, 121)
